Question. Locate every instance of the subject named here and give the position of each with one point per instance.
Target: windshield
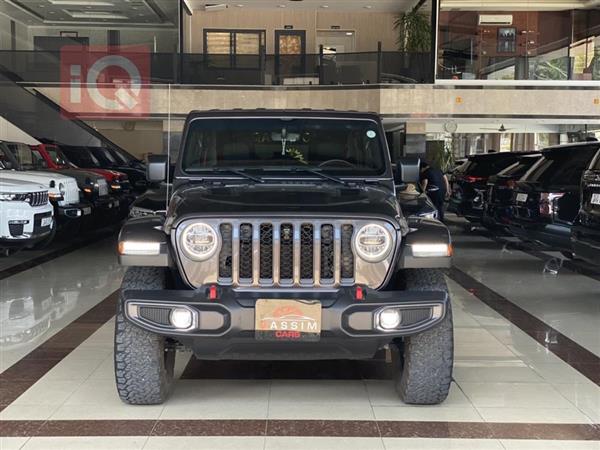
(26, 158)
(518, 169)
(104, 155)
(596, 164)
(338, 146)
(563, 167)
(57, 157)
(81, 157)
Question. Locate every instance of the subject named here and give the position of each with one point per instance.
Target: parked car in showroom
(585, 233)
(469, 183)
(93, 184)
(27, 216)
(69, 209)
(498, 199)
(103, 158)
(546, 200)
(119, 187)
(284, 239)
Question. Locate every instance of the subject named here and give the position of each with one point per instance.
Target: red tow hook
(213, 293)
(360, 293)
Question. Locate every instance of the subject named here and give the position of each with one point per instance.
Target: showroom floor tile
(507, 385)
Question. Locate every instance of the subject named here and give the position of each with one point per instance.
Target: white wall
(8, 132)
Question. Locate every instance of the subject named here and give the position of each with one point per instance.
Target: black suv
(469, 183)
(284, 239)
(546, 200)
(498, 198)
(585, 234)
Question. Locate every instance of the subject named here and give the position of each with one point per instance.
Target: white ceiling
(332, 5)
(153, 13)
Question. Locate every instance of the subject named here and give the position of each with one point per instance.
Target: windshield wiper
(319, 174)
(239, 173)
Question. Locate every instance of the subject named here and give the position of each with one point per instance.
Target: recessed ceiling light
(367, 7)
(81, 3)
(282, 6)
(239, 6)
(324, 6)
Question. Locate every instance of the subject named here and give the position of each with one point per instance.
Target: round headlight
(373, 242)
(61, 189)
(199, 241)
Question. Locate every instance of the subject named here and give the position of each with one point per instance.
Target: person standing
(436, 185)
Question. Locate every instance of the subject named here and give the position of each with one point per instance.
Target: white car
(62, 190)
(26, 215)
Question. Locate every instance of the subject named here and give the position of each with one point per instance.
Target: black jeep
(284, 239)
(546, 200)
(585, 234)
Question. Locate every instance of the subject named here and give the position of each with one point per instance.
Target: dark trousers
(437, 198)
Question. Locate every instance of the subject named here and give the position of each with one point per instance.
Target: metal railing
(266, 70)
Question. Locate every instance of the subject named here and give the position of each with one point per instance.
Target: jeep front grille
(295, 253)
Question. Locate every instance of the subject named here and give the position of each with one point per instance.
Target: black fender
(425, 231)
(149, 229)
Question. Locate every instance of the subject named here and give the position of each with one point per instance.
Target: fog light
(389, 319)
(181, 318)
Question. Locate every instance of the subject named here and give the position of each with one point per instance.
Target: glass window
(518, 169)
(218, 43)
(518, 45)
(596, 165)
(563, 166)
(26, 158)
(345, 147)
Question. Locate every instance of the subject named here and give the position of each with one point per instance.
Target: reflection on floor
(502, 376)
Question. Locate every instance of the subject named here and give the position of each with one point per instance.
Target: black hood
(291, 198)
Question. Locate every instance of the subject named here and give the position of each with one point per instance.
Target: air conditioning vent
(495, 19)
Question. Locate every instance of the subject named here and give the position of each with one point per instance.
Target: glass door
(290, 55)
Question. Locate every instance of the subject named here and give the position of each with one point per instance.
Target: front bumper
(73, 211)
(224, 328)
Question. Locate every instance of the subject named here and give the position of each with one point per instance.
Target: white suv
(62, 190)
(26, 215)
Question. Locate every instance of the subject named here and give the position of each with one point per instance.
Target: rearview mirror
(408, 170)
(156, 171)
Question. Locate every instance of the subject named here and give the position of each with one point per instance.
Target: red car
(118, 183)
(56, 160)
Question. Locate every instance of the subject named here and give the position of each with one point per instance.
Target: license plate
(522, 198)
(595, 198)
(46, 221)
(287, 320)
(87, 211)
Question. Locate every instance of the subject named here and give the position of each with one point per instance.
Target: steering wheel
(337, 161)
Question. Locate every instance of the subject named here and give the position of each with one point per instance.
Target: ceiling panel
(333, 5)
(89, 12)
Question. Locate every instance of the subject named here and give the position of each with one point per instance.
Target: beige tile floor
(501, 375)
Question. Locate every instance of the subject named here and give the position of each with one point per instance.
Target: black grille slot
(225, 261)
(266, 251)
(155, 315)
(327, 252)
(347, 255)
(36, 198)
(414, 316)
(246, 251)
(286, 258)
(306, 251)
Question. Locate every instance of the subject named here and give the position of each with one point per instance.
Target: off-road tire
(143, 362)
(423, 362)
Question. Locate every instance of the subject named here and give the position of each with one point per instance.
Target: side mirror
(156, 170)
(408, 170)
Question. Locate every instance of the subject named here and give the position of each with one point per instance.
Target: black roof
(260, 112)
(574, 146)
